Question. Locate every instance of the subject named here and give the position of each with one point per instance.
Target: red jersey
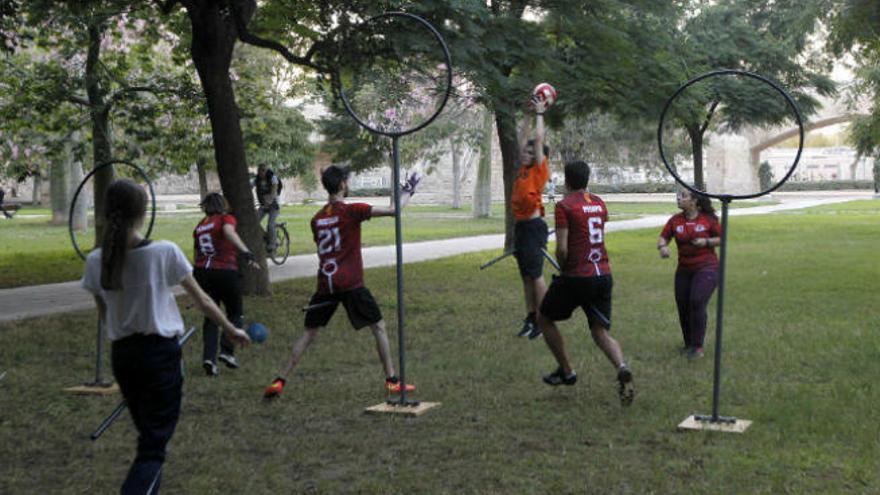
(213, 250)
(336, 229)
(704, 226)
(584, 215)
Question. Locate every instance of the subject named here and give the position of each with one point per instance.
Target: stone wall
(436, 188)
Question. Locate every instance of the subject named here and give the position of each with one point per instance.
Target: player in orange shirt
(530, 229)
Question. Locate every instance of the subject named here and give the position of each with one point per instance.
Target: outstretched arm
(230, 233)
(389, 212)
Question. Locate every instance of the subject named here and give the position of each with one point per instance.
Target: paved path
(41, 300)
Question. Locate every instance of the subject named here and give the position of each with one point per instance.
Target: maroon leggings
(693, 289)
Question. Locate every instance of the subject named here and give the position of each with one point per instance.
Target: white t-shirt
(145, 305)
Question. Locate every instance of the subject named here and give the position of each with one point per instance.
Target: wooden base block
(386, 408)
(691, 423)
(93, 390)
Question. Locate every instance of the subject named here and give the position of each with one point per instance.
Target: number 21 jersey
(336, 229)
(584, 215)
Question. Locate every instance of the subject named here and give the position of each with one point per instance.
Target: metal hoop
(446, 55)
(82, 184)
(722, 72)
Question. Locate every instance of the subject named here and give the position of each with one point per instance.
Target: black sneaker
(529, 326)
(210, 368)
(625, 389)
(229, 360)
(536, 332)
(559, 378)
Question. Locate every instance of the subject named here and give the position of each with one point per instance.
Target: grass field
(33, 252)
(801, 360)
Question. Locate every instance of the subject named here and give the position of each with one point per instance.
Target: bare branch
(124, 92)
(247, 37)
(709, 117)
(77, 100)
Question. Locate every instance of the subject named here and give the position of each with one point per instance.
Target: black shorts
(530, 239)
(359, 304)
(592, 294)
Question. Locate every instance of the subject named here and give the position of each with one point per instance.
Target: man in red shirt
(585, 281)
(336, 229)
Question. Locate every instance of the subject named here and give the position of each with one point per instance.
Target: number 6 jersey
(584, 215)
(336, 229)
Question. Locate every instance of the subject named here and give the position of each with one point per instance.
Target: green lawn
(800, 360)
(33, 252)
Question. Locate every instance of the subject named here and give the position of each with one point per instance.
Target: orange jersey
(527, 190)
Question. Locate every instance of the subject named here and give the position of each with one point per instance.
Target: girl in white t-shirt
(131, 279)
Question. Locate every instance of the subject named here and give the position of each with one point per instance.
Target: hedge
(827, 185)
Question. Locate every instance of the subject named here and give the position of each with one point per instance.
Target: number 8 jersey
(213, 250)
(336, 229)
(584, 215)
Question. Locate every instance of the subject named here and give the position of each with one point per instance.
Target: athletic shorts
(592, 294)
(530, 238)
(359, 304)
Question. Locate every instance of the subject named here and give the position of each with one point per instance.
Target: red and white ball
(546, 93)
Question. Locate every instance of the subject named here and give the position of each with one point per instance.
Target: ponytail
(124, 205)
(704, 204)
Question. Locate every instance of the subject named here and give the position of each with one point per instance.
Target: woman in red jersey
(216, 269)
(697, 231)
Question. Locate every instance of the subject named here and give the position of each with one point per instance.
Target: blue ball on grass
(257, 332)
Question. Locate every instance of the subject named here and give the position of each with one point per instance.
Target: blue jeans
(272, 210)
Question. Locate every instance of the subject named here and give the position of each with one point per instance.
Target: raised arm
(540, 107)
(408, 189)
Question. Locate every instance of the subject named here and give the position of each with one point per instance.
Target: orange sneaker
(275, 389)
(392, 386)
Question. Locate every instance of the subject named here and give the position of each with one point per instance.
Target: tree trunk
(203, 176)
(876, 170)
(696, 136)
(59, 185)
(456, 175)
(483, 185)
(99, 113)
(37, 194)
(80, 213)
(507, 138)
(213, 40)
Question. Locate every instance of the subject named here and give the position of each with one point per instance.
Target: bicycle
(281, 251)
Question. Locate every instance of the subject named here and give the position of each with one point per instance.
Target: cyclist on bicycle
(268, 187)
